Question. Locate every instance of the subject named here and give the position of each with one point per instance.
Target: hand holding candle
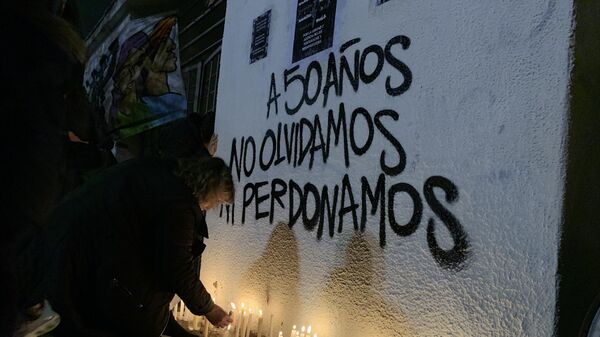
(218, 317)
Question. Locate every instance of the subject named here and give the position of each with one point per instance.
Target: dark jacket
(36, 73)
(123, 245)
(181, 138)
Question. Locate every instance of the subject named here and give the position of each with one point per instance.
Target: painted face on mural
(159, 66)
(165, 59)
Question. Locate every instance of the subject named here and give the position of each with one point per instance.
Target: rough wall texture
(464, 237)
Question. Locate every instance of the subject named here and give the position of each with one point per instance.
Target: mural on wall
(135, 78)
(101, 75)
(302, 143)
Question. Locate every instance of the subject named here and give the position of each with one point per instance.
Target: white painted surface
(486, 109)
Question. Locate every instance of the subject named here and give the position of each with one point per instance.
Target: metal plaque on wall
(315, 21)
(260, 37)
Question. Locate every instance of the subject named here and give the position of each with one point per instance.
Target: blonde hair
(206, 175)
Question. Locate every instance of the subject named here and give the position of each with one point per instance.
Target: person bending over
(122, 245)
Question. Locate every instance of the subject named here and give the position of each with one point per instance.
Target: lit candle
(179, 310)
(302, 331)
(242, 332)
(248, 324)
(232, 313)
(188, 316)
(293, 334)
(259, 326)
(280, 334)
(308, 331)
(196, 323)
(206, 323)
(238, 324)
(270, 326)
(190, 321)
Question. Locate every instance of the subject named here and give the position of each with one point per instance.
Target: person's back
(109, 234)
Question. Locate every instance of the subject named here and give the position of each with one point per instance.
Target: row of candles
(243, 322)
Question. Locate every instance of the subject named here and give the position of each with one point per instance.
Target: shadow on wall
(354, 294)
(272, 281)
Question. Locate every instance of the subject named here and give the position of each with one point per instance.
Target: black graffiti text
(306, 141)
(325, 209)
(342, 70)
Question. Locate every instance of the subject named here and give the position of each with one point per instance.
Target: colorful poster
(134, 78)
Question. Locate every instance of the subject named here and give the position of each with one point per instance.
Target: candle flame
(260, 312)
(232, 305)
(309, 329)
(303, 328)
(229, 327)
(280, 333)
(315, 335)
(242, 305)
(294, 327)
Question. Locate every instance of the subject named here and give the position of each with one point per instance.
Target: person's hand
(218, 317)
(212, 145)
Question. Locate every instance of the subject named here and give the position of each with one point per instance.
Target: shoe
(45, 323)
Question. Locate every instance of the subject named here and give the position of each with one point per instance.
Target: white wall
(486, 110)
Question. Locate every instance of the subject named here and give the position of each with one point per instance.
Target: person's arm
(177, 268)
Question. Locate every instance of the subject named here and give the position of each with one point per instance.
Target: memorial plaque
(315, 21)
(260, 37)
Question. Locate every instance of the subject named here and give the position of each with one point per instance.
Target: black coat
(123, 245)
(36, 74)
